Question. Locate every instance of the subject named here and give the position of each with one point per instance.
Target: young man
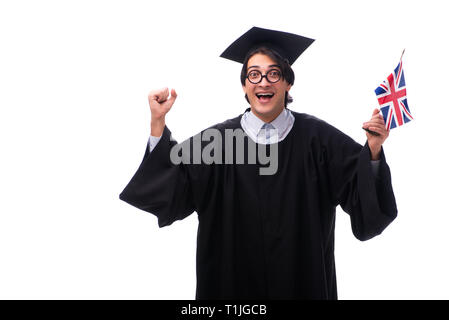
(265, 235)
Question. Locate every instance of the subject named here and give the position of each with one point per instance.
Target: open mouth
(264, 97)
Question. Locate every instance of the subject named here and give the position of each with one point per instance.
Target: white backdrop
(74, 79)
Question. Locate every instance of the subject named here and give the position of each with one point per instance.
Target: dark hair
(286, 69)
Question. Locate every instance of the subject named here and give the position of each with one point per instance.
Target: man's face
(265, 107)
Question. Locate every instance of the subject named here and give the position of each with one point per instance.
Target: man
(265, 235)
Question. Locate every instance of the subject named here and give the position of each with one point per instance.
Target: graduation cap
(287, 45)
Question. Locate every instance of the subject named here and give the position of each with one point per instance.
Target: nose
(264, 82)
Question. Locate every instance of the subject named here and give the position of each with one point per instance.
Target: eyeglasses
(272, 76)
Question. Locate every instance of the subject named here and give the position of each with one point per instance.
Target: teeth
(264, 94)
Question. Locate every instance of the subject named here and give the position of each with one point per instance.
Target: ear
(288, 88)
(244, 88)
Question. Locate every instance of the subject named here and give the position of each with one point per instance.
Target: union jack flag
(392, 98)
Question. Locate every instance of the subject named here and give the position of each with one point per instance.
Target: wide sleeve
(159, 186)
(367, 198)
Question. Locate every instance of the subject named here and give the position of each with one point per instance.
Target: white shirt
(252, 125)
(281, 126)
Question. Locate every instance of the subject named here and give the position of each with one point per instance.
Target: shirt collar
(280, 123)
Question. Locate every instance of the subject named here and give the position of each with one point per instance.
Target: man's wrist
(157, 127)
(375, 153)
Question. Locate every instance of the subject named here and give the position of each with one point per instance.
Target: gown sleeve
(159, 186)
(367, 198)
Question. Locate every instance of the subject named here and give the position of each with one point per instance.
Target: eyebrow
(270, 66)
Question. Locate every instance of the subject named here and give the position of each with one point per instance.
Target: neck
(267, 118)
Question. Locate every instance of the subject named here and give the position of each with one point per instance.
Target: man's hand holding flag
(394, 111)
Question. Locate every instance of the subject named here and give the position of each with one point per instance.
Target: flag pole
(402, 54)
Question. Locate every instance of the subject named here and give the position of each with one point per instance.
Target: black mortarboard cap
(288, 45)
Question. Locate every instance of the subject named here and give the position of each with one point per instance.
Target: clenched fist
(160, 104)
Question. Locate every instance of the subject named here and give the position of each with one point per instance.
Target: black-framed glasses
(272, 76)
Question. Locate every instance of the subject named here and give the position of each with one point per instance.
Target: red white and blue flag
(392, 98)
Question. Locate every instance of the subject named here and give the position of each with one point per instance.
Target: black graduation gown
(269, 236)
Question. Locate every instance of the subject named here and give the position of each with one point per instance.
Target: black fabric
(288, 45)
(272, 236)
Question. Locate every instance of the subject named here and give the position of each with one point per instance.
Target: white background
(74, 79)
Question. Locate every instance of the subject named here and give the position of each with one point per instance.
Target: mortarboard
(288, 45)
